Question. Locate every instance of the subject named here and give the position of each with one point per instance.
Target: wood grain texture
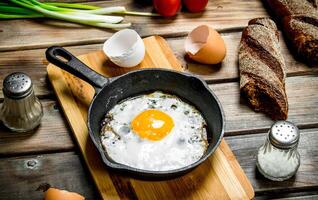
(51, 135)
(302, 102)
(198, 184)
(21, 176)
(64, 170)
(228, 69)
(245, 148)
(74, 98)
(78, 125)
(223, 15)
(307, 195)
(240, 119)
(33, 63)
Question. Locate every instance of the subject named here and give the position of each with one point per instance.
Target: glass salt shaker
(278, 159)
(21, 110)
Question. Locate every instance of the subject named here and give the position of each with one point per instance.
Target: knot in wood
(31, 163)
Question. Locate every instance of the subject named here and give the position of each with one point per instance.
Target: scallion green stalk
(4, 4)
(148, 14)
(17, 16)
(70, 16)
(76, 13)
(73, 5)
(49, 7)
(109, 10)
(16, 10)
(111, 26)
(100, 10)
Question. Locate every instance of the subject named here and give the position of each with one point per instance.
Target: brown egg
(205, 45)
(56, 194)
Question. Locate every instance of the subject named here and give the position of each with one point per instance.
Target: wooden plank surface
(52, 135)
(301, 91)
(21, 176)
(227, 16)
(67, 167)
(245, 148)
(221, 171)
(33, 63)
(220, 14)
(303, 195)
(302, 100)
(309, 197)
(228, 69)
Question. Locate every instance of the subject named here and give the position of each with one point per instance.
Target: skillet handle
(74, 66)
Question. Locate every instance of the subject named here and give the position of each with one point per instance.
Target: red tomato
(167, 8)
(195, 5)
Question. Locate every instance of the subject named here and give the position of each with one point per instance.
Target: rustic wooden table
(49, 154)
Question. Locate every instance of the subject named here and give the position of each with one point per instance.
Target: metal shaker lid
(284, 134)
(17, 85)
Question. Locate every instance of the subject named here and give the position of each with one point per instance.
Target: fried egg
(156, 132)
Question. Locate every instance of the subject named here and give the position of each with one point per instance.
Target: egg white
(184, 145)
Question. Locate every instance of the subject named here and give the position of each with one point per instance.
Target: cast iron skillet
(110, 91)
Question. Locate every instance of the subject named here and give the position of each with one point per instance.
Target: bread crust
(262, 69)
(299, 20)
(302, 31)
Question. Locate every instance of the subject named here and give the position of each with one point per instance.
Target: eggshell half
(56, 194)
(125, 48)
(205, 45)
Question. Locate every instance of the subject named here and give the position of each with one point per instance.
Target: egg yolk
(152, 124)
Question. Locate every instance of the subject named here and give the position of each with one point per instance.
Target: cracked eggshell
(205, 45)
(125, 48)
(56, 194)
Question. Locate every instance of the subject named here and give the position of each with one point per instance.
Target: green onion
(70, 16)
(15, 10)
(71, 12)
(73, 5)
(10, 16)
(99, 10)
(49, 7)
(140, 13)
(112, 26)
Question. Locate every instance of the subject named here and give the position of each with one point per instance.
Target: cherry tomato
(195, 5)
(167, 8)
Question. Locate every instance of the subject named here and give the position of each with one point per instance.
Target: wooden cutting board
(220, 177)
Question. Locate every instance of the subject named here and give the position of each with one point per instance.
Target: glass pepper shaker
(21, 110)
(278, 159)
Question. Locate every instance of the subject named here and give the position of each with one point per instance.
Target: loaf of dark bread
(302, 32)
(300, 24)
(283, 8)
(262, 69)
